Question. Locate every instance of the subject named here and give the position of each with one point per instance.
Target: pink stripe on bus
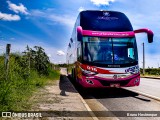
(108, 34)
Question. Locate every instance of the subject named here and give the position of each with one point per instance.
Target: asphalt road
(119, 99)
(148, 86)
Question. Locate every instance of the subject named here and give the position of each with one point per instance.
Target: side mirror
(149, 33)
(79, 33)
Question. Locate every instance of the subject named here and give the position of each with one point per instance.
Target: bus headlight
(89, 72)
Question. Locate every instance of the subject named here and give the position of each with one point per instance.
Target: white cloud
(49, 14)
(9, 17)
(60, 53)
(81, 9)
(101, 2)
(49, 55)
(18, 9)
(63, 19)
(38, 13)
(12, 38)
(55, 55)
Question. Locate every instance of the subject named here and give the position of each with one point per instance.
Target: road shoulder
(62, 97)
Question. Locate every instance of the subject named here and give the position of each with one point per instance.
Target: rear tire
(73, 73)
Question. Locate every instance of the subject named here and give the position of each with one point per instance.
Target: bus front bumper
(97, 82)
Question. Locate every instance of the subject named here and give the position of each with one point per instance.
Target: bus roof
(104, 21)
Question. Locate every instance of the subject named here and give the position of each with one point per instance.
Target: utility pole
(8, 47)
(143, 59)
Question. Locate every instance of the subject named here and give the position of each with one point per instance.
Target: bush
(151, 71)
(27, 72)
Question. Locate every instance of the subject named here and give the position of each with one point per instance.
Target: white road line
(88, 109)
(97, 106)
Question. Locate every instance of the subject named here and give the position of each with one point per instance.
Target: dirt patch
(52, 98)
(57, 96)
(47, 98)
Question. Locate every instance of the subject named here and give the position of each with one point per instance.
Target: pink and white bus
(103, 50)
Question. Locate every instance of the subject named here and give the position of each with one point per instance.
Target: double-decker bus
(103, 50)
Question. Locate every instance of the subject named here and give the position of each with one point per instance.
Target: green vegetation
(151, 71)
(27, 72)
(70, 67)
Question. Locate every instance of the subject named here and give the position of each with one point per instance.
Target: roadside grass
(18, 88)
(16, 92)
(149, 75)
(26, 73)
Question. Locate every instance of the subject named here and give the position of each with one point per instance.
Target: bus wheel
(73, 74)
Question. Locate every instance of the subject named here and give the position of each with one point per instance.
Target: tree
(42, 62)
(35, 60)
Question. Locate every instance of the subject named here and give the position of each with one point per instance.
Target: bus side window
(79, 54)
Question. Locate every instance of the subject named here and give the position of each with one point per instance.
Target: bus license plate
(115, 85)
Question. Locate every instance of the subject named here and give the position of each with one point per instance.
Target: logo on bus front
(107, 16)
(115, 76)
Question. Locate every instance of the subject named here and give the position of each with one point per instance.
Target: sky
(49, 23)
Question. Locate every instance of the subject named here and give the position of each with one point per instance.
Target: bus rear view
(103, 50)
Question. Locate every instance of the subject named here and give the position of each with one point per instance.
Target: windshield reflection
(109, 50)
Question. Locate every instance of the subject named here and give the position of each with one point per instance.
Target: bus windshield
(110, 50)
